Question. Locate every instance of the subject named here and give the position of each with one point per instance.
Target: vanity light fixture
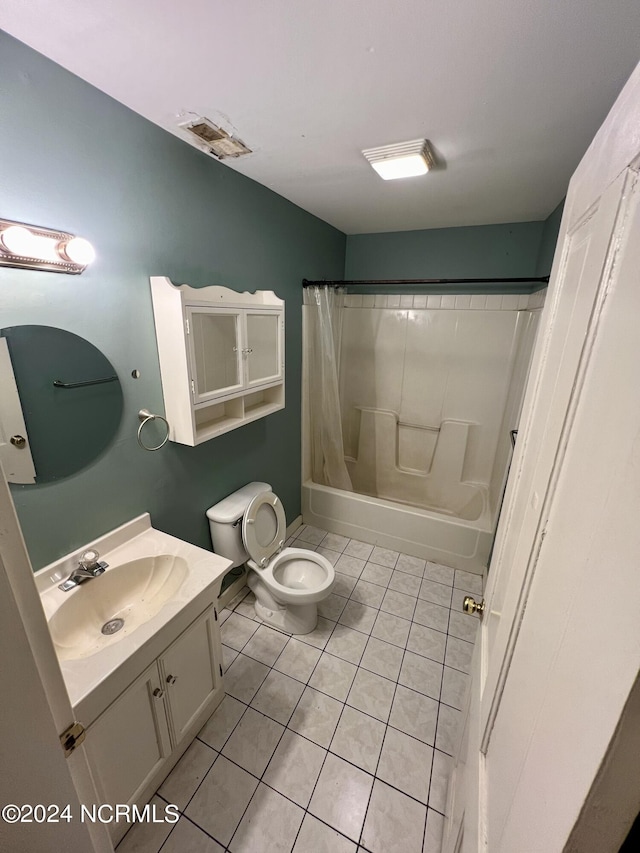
(402, 160)
(32, 247)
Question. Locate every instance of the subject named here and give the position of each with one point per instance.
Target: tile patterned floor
(340, 741)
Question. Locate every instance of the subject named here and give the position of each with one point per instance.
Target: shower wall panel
(428, 367)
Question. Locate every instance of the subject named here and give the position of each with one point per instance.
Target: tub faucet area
(88, 567)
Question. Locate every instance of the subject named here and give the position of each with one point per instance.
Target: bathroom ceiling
(509, 92)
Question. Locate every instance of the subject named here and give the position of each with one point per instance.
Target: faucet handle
(89, 559)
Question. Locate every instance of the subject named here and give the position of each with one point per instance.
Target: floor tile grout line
(326, 750)
(192, 822)
(395, 690)
(355, 709)
(359, 665)
(369, 635)
(344, 704)
(285, 728)
(432, 627)
(188, 803)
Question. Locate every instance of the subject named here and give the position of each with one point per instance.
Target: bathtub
(457, 542)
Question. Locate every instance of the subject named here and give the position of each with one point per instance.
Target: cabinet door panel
(215, 353)
(264, 346)
(190, 673)
(130, 740)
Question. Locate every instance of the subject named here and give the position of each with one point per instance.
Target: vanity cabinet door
(129, 741)
(191, 675)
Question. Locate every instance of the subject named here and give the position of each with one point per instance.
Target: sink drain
(113, 626)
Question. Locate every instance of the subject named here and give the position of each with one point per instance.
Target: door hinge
(220, 668)
(72, 737)
(186, 325)
(193, 387)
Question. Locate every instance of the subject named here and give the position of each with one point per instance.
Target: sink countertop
(95, 681)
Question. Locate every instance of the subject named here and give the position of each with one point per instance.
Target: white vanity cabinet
(221, 357)
(136, 741)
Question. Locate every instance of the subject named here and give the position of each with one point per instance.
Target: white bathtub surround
(324, 308)
(476, 301)
(429, 395)
(339, 738)
(439, 486)
(429, 367)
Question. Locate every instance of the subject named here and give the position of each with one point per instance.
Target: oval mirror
(60, 403)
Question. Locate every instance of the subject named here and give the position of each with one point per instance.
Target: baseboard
(231, 591)
(295, 524)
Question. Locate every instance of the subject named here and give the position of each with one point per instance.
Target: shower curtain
(325, 307)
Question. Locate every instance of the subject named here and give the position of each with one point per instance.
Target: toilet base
(292, 618)
(295, 619)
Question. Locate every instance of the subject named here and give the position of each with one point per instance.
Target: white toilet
(288, 583)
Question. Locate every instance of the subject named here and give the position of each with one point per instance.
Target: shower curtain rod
(543, 279)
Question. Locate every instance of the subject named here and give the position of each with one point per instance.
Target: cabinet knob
(171, 679)
(158, 693)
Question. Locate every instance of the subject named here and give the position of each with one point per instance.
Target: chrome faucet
(88, 567)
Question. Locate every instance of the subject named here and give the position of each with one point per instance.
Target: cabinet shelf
(221, 357)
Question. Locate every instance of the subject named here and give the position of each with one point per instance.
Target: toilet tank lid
(233, 507)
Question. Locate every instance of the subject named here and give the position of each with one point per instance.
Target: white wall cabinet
(221, 357)
(136, 741)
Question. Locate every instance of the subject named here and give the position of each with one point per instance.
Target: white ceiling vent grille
(215, 140)
(402, 160)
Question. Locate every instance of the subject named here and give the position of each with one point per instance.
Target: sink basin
(105, 609)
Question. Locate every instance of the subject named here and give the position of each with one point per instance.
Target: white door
(34, 710)
(559, 647)
(15, 453)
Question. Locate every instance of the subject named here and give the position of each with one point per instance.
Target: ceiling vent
(216, 140)
(402, 160)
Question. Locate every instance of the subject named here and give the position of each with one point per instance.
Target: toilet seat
(264, 526)
(287, 576)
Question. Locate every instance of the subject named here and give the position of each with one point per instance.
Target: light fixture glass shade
(401, 160)
(19, 241)
(79, 250)
(401, 167)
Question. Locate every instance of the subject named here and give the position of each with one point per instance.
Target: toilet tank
(225, 522)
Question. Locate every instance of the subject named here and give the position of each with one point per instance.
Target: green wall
(480, 251)
(73, 158)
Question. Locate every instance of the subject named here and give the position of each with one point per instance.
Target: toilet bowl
(288, 583)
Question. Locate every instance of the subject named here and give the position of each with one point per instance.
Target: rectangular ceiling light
(402, 160)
